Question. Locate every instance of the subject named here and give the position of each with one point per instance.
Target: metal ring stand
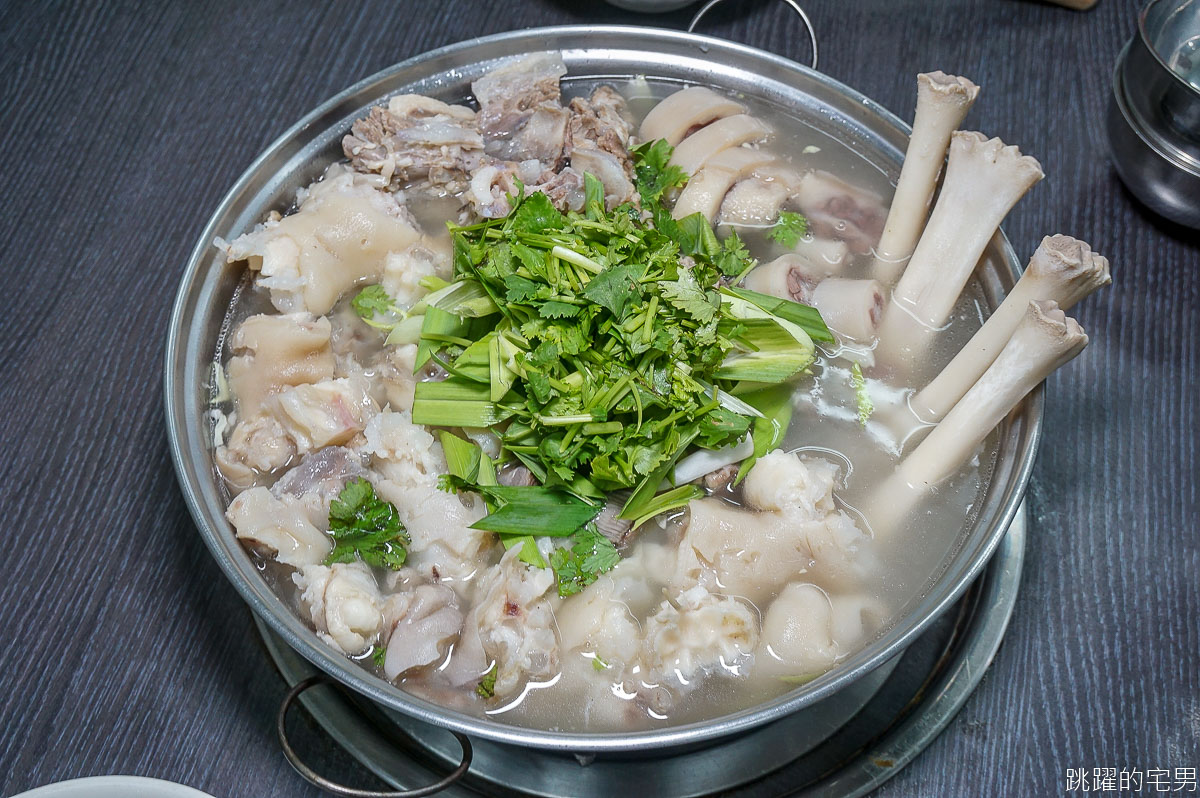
(316, 779)
(795, 6)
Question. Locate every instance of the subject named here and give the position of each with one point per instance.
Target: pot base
(845, 745)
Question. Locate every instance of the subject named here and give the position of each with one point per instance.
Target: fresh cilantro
(370, 302)
(863, 399)
(599, 347)
(686, 295)
(379, 656)
(733, 259)
(615, 287)
(578, 565)
(487, 685)
(789, 229)
(655, 173)
(365, 527)
(599, 664)
(536, 214)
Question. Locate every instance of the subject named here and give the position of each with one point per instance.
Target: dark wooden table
(124, 648)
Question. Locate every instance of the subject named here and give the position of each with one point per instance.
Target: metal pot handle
(795, 6)
(312, 777)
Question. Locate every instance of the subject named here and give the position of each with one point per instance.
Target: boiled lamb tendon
(836, 209)
(416, 138)
(280, 525)
(732, 131)
(797, 529)
(698, 633)
(514, 623)
(806, 630)
(276, 352)
(684, 112)
(826, 256)
(258, 446)
(326, 413)
(419, 625)
(942, 102)
(984, 179)
(344, 604)
(318, 479)
(757, 200)
(341, 235)
(706, 190)
(408, 460)
(1044, 339)
(1063, 269)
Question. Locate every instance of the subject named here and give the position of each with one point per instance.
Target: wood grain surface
(126, 651)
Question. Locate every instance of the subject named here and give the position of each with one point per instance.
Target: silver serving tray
(590, 52)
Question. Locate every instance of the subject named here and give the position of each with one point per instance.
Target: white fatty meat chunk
(806, 631)
(324, 414)
(344, 604)
(318, 479)
(515, 623)
(420, 625)
(598, 621)
(799, 530)
(404, 270)
(700, 632)
(398, 374)
(782, 482)
(340, 236)
(278, 524)
(410, 460)
(276, 352)
(259, 445)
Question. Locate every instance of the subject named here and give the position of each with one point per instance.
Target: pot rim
(181, 391)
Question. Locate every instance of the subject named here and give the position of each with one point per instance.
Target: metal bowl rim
(349, 673)
(1144, 36)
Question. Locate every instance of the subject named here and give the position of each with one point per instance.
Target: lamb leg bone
(1063, 269)
(942, 102)
(984, 179)
(1044, 340)
(850, 307)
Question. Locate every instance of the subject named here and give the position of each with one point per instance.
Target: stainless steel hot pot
(590, 52)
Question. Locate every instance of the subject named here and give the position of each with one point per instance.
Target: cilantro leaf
(536, 214)
(365, 527)
(733, 259)
(370, 302)
(686, 295)
(379, 656)
(579, 565)
(789, 229)
(557, 310)
(487, 685)
(615, 287)
(654, 172)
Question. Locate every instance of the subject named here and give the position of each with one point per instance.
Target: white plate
(114, 787)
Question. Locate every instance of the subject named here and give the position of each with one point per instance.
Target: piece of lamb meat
(598, 137)
(416, 138)
(520, 110)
